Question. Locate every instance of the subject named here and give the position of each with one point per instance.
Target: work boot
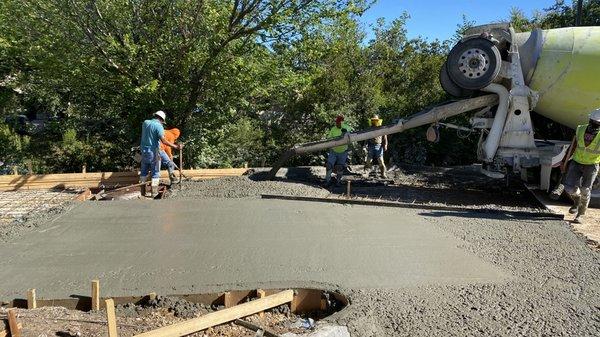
(155, 183)
(339, 173)
(143, 190)
(573, 209)
(557, 192)
(578, 219)
(328, 173)
(581, 209)
(382, 167)
(576, 202)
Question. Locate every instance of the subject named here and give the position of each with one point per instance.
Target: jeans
(166, 161)
(580, 176)
(150, 162)
(374, 151)
(334, 158)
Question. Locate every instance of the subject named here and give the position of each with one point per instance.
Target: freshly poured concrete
(181, 246)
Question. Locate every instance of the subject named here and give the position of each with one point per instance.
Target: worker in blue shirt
(153, 133)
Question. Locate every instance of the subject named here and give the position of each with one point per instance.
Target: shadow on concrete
(492, 215)
(446, 196)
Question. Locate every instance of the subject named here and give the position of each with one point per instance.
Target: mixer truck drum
(450, 87)
(474, 63)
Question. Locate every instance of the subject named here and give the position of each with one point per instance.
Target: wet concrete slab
(189, 246)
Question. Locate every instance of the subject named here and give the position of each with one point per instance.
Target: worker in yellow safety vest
(338, 155)
(583, 167)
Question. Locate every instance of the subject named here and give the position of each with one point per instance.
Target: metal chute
(424, 117)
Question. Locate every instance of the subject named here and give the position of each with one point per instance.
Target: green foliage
(243, 79)
(560, 14)
(13, 146)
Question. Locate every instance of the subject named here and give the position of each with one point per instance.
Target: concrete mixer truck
(500, 77)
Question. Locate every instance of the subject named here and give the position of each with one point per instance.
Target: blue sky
(438, 18)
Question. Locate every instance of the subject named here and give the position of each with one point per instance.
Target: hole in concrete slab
(299, 316)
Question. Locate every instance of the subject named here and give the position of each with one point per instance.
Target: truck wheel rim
(473, 63)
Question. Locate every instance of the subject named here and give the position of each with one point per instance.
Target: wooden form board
(95, 179)
(260, 294)
(221, 316)
(111, 318)
(6, 333)
(306, 300)
(13, 326)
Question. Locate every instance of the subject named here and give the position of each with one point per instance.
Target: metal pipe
(424, 117)
(493, 139)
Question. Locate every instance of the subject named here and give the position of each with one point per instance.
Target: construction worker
(153, 133)
(583, 167)
(166, 156)
(376, 147)
(338, 155)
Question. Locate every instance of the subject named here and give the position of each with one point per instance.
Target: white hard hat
(161, 114)
(595, 116)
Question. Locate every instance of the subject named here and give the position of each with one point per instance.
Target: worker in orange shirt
(166, 156)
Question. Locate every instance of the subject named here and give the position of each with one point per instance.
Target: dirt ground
(553, 288)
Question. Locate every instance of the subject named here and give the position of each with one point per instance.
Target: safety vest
(589, 155)
(336, 132)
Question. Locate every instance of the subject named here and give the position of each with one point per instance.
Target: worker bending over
(153, 134)
(166, 155)
(338, 155)
(376, 147)
(583, 167)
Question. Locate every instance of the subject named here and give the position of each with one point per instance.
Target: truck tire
(474, 63)
(450, 87)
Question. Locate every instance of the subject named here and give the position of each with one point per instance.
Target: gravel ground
(556, 290)
(556, 285)
(244, 187)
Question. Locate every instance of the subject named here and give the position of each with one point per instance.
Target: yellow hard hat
(376, 121)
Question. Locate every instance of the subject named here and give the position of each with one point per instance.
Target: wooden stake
(6, 332)
(180, 166)
(111, 318)
(15, 330)
(221, 316)
(323, 304)
(31, 301)
(294, 303)
(227, 300)
(96, 295)
(261, 294)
